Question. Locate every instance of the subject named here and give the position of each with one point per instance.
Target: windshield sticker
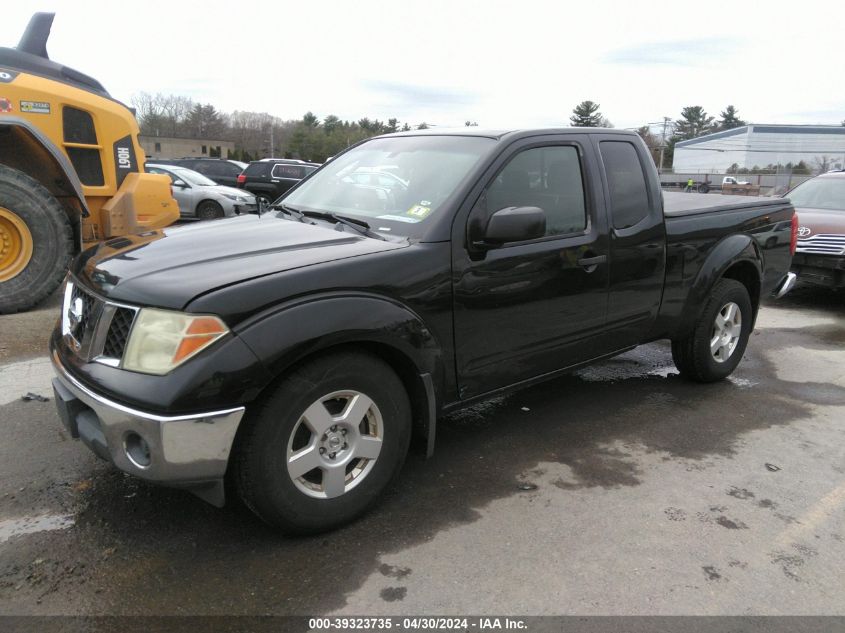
(399, 218)
(420, 210)
(35, 107)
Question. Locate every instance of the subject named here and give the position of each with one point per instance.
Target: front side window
(626, 182)
(546, 177)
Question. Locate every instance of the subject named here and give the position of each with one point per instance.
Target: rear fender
(737, 249)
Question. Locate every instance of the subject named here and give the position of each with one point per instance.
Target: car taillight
(241, 179)
(793, 240)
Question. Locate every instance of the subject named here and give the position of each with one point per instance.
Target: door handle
(589, 264)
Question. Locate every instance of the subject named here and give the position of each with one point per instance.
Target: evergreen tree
(586, 114)
(693, 122)
(730, 119)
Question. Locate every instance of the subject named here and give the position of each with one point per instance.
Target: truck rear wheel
(716, 345)
(319, 450)
(36, 241)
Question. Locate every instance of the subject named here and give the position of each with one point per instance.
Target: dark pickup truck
(295, 353)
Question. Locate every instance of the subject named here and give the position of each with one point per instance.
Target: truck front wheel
(716, 345)
(36, 241)
(320, 449)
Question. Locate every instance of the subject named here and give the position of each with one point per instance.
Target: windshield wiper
(359, 225)
(291, 211)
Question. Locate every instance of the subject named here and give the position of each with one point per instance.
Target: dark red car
(820, 256)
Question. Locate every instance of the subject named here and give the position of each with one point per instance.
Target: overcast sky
(501, 64)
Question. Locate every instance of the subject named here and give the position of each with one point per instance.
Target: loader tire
(36, 241)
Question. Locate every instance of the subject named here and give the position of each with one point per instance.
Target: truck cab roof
(515, 133)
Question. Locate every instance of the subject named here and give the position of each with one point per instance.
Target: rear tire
(716, 345)
(368, 415)
(209, 210)
(36, 241)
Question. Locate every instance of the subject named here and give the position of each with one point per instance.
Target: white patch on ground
(30, 525)
(741, 382)
(826, 366)
(16, 379)
(790, 318)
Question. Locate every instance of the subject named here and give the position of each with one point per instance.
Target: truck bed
(682, 204)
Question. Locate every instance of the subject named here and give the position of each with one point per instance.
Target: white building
(759, 145)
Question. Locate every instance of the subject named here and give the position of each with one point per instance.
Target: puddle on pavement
(30, 525)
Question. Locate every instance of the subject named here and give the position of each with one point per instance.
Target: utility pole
(271, 140)
(666, 120)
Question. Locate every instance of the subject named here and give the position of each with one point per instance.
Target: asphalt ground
(621, 489)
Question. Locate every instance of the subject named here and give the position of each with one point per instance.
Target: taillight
(241, 179)
(793, 240)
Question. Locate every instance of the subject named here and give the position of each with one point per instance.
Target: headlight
(234, 197)
(162, 340)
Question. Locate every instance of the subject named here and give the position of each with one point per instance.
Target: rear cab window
(257, 170)
(284, 170)
(626, 183)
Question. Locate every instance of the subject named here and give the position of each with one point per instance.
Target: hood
(815, 221)
(170, 267)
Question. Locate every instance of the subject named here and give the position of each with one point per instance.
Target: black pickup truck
(296, 352)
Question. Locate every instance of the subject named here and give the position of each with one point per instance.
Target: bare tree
(821, 164)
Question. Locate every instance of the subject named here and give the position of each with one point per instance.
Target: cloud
(834, 115)
(696, 52)
(402, 95)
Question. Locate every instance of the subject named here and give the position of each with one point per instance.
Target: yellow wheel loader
(71, 170)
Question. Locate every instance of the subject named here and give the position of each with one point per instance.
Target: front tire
(265, 199)
(324, 444)
(209, 210)
(36, 241)
(716, 345)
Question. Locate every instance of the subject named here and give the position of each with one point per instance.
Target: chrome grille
(822, 244)
(94, 328)
(86, 305)
(118, 333)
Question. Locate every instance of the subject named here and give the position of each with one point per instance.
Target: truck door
(527, 308)
(637, 240)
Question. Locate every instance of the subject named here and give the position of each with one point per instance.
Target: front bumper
(819, 270)
(186, 451)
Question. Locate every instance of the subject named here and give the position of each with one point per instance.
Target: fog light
(137, 450)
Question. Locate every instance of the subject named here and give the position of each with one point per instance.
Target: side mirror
(515, 224)
(180, 183)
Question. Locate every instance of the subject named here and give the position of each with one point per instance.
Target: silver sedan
(201, 198)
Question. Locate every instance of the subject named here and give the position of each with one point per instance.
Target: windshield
(819, 193)
(193, 177)
(392, 183)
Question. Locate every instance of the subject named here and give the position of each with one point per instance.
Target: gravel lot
(619, 490)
